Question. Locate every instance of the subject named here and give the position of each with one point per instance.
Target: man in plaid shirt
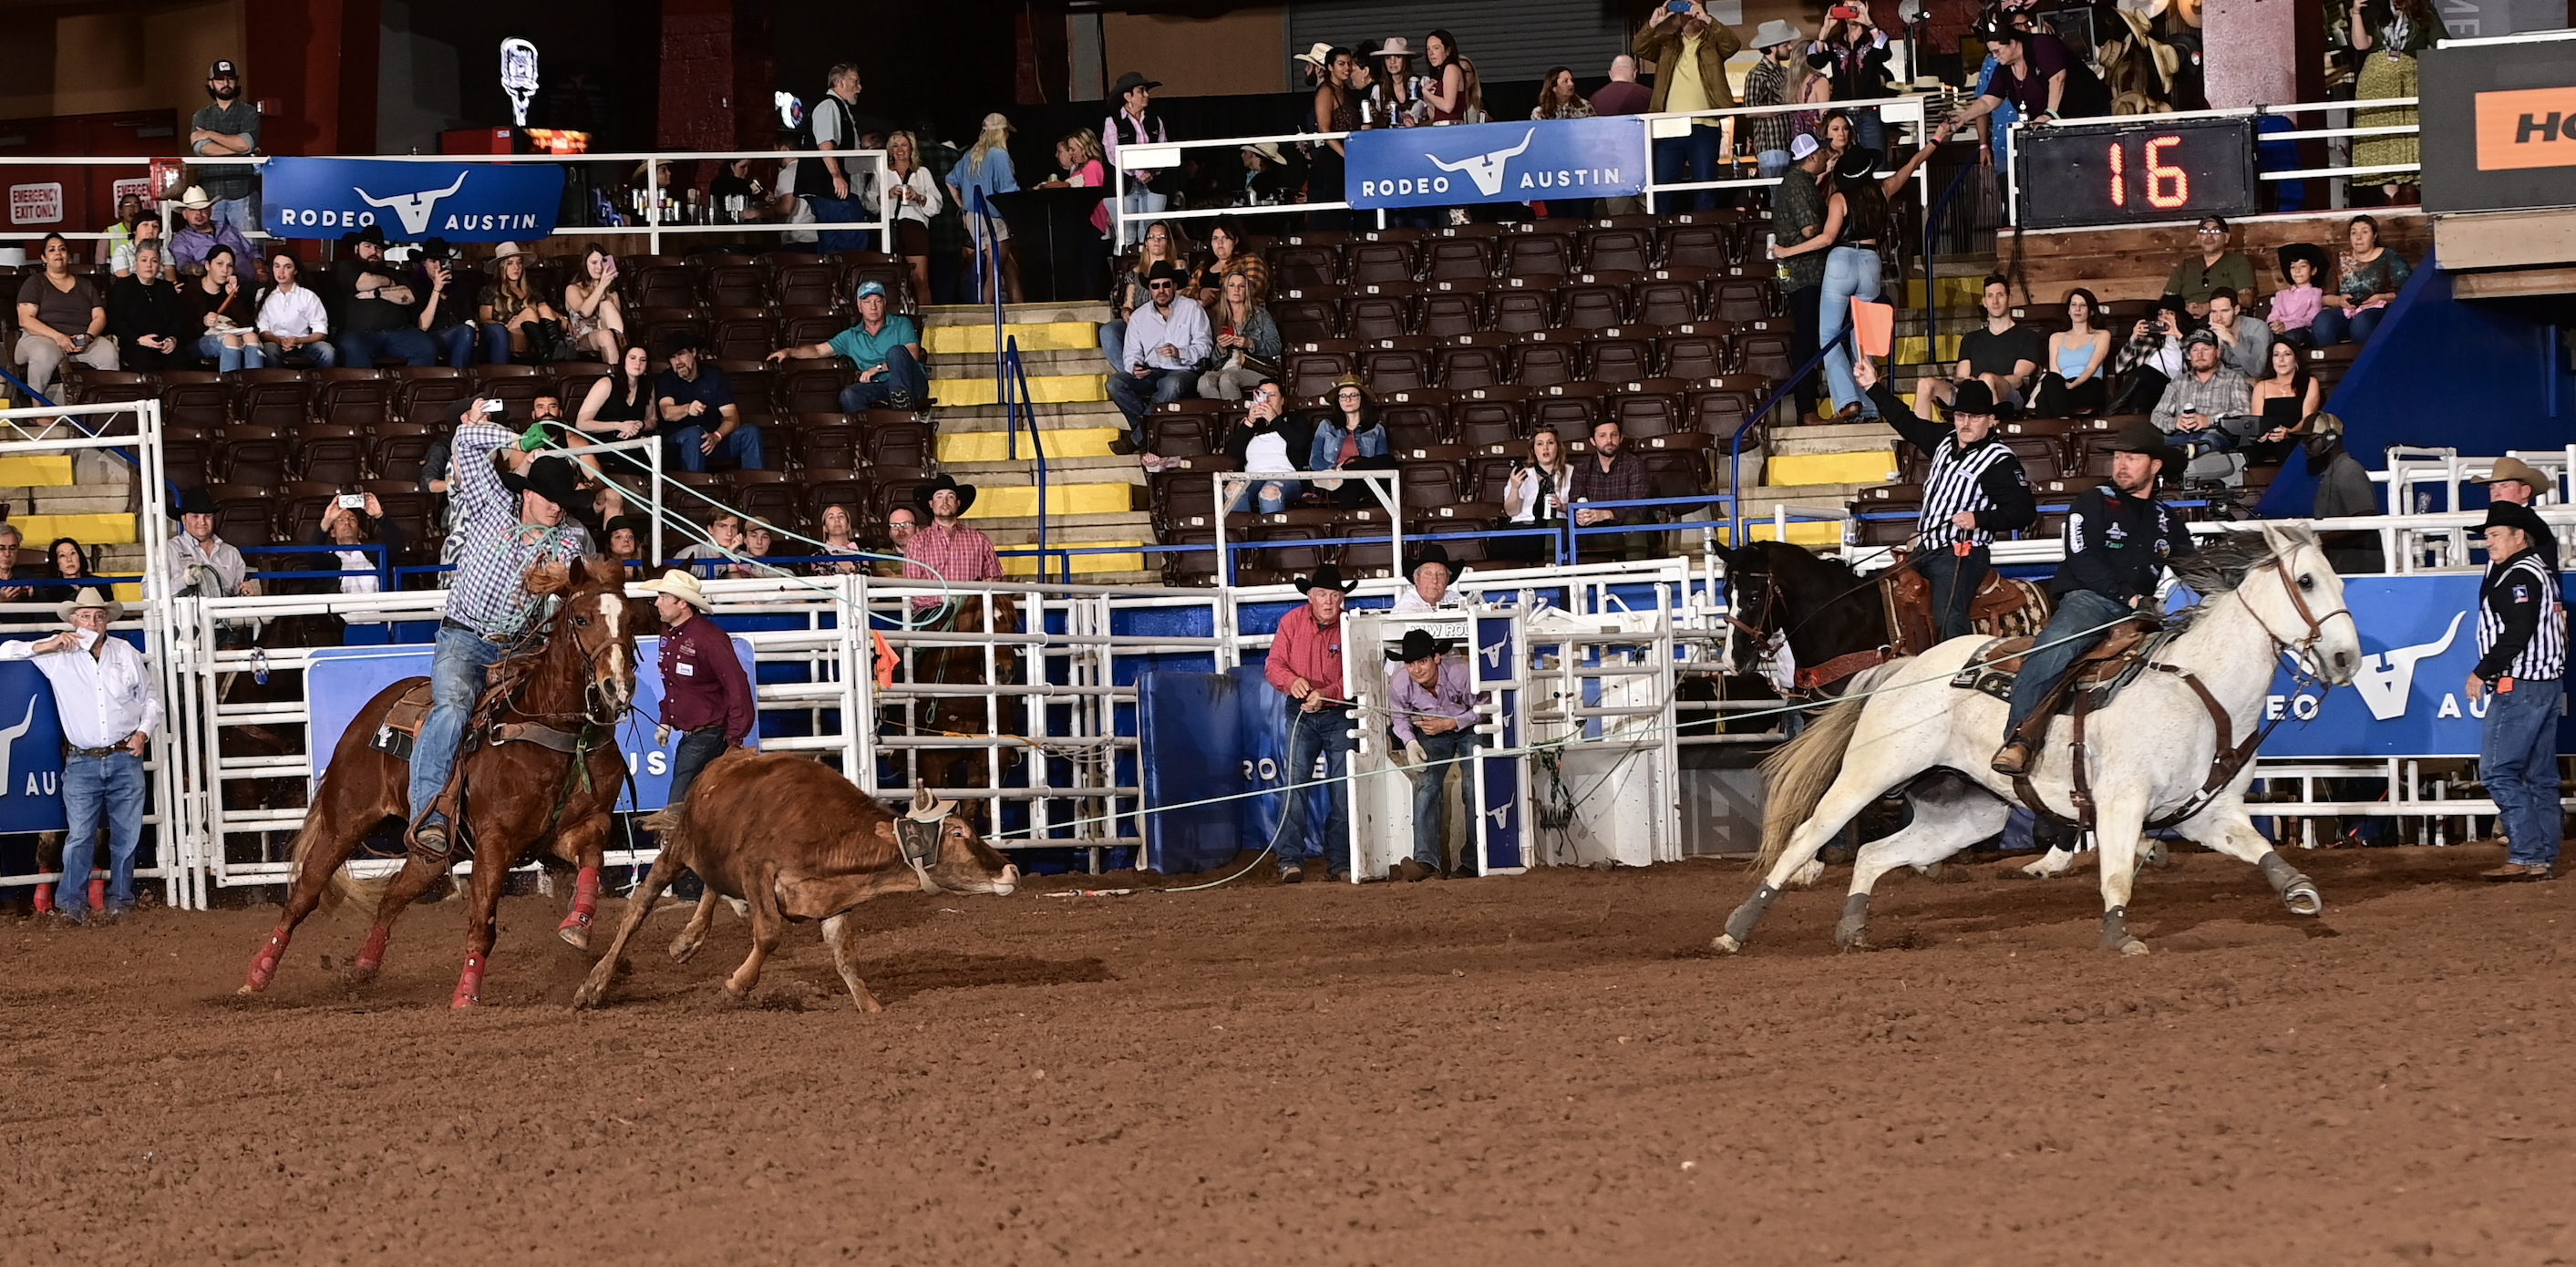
(1612, 474)
(945, 549)
(509, 523)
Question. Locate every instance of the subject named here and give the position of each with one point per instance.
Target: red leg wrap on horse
(585, 899)
(372, 955)
(263, 966)
(469, 987)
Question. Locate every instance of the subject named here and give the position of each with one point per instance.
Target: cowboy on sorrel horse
(539, 769)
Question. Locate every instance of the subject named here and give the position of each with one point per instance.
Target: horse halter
(2305, 647)
(1769, 594)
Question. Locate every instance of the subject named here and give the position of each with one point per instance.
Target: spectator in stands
(915, 194)
(1266, 178)
(1165, 342)
(951, 251)
(1247, 343)
(1395, 98)
(1435, 718)
(1559, 98)
(198, 233)
(449, 308)
(60, 318)
(1349, 437)
(1995, 140)
(2077, 357)
(70, 564)
(1534, 497)
(2196, 404)
(2516, 481)
(198, 562)
(985, 173)
(1336, 108)
(1857, 218)
(1797, 224)
(828, 182)
(1305, 664)
(2344, 491)
(1611, 474)
(10, 541)
(1084, 168)
(2387, 35)
(2522, 653)
(228, 127)
(2005, 355)
(145, 230)
(687, 394)
(594, 322)
(887, 349)
(724, 541)
(840, 536)
(1689, 51)
(2043, 79)
(2244, 341)
(119, 234)
(1162, 243)
(2296, 305)
(1450, 89)
(1428, 577)
(759, 541)
(1768, 84)
(1853, 52)
(1623, 94)
(343, 535)
(2372, 276)
(2152, 358)
(379, 315)
(294, 327)
(1259, 445)
(619, 405)
(2286, 378)
(514, 305)
(1226, 255)
(945, 548)
(2217, 265)
(104, 699)
(901, 523)
(148, 316)
(625, 535)
(226, 315)
(1134, 123)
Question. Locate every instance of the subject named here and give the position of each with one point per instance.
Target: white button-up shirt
(1185, 328)
(102, 699)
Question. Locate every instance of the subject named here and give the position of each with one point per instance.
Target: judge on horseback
(1976, 488)
(2118, 539)
(512, 514)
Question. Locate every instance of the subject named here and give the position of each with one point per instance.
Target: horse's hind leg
(1847, 797)
(638, 905)
(2229, 831)
(414, 879)
(1940, 828)
(842, 935)
(320, 848)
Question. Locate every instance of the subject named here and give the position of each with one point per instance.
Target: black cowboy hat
(558, 480)
(2141, 436)
(2180, 307)
(682, 341)
(195, 501)
(1974, 397)
(965, 494)
(1432, 553)
(1857, 164)
(1419, 644)
(2318, 264)
(372, 233)
(1132, 79)
(2514, 515)
(632, 523)
(1327, 577)
(1165, 270)
(434, 249)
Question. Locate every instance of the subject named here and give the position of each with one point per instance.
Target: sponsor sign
(342, 680)
(2535, 127)
(31, 751)
(326, 197)
(36, 204)
(1497, 162)
(2499, 126)
(2419, 640)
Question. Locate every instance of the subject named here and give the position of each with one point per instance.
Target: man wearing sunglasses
(1166, 341)
(2215, 266)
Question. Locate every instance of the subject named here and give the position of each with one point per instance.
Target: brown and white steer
(792, 839)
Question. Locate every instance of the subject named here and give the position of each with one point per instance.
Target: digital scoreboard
(2135, 170)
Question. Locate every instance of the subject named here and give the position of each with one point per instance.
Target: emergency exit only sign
(36, 204)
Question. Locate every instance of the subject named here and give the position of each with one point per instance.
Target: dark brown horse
(539, 769)
(968, 715)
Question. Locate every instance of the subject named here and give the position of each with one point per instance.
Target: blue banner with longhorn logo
(1496, 162)
(482, 202)
(2419, 639)
(31, 751)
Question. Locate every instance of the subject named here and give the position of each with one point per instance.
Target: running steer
(794, 840)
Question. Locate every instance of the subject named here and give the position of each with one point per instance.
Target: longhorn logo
(413, 208)
(1485, 169)
(9, 738)
(2388, 677)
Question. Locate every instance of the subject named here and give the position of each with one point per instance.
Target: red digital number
(2159, 172)
(2119, 177)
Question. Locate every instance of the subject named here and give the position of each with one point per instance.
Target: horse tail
(1795, 777)
(345, 884)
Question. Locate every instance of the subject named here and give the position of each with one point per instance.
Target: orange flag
(1873, 327)
(885, 660)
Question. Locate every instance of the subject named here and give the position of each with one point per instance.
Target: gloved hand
(532, 439)
(661, 736)
(1413, 749)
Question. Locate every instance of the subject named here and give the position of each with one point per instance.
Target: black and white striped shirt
(2522, 628)
(1986, 478)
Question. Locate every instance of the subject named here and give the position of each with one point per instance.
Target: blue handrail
(1932, 261)
(1027, 406)
(1757, 420)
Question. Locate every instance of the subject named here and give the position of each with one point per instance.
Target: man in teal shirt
(887, 350)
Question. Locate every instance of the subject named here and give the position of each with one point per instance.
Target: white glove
(1413, 749)
(661, 736)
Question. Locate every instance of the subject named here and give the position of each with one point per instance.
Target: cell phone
(1844, 12)
(493, 406)
(1675, 6)
(353, 501)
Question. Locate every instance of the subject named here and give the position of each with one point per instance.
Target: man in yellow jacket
(1689, 51)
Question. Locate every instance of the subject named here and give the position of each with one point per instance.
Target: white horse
(2150, 752)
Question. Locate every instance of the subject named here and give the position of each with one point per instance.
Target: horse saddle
(2002, 607)
(399, 729)
(2098, 674)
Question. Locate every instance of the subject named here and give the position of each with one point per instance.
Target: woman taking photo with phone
(593, 322)
(1534, 497)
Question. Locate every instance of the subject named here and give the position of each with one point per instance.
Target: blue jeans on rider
(1851, 272)
(902, 375)
(742, 446)
(2078, 611)
(2518, 760)
(696, 749)
(1431, 796)
(249, 356)
(1325, 732)
(1954, 579)
(100, 790)
(1698, 153)
(458, 665)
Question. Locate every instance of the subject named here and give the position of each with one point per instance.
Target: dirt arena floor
(1543, 1069)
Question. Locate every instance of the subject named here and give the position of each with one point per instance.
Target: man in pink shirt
(1306, 666)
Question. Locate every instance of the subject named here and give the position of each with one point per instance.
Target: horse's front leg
(491, 875)
(2119, 820)
(585, 843)
(2225, 827)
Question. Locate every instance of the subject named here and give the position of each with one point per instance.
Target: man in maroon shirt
(1612, 474)
(705, 696)
(1306, 665)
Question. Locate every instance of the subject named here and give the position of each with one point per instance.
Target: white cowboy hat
(677, 584)
(1316, 56)
(505, 251)
(87, 598)
(196, 199)
(1268, 151)
(1392, 48)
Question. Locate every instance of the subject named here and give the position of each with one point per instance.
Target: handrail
(1027, 407)
(40, 401)
(1932, 261)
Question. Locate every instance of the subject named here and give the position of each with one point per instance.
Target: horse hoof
(1930, 870)
(2154, 855)
(1727, 944)
(362, 972)
(576, 936)
(463, 1001)
(2133, 947)
(1852, 938)
(2303, 899)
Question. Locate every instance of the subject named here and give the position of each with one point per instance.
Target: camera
(353, 501)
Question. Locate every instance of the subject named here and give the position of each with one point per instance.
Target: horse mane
(2222, 565)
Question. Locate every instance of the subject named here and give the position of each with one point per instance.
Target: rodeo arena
(1060, 631)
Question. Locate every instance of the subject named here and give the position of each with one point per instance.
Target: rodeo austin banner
(1496, 162)
(483, 202)
(31, 752)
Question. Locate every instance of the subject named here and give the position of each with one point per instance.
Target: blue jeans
(2343, 325)
(96, 788)
(1699, 153)
(1869, 132)
(459, 342)
(1325, 732)
(2518, 759)
(1954, 579)
(1851, 272)
(457, 669)
(320, 355)
(1113, 345)
(743, 446)
(1136, 396)
(241, 213)
(2042, 670)
(1271, 498)
(697, 748)
(1430, 795)
(248, 357)
(903, 377)
(828, 210)
(360, 348)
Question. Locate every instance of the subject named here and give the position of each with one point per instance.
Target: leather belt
(94, 753)
(450, 622)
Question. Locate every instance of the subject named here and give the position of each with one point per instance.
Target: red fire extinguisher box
(479, 141)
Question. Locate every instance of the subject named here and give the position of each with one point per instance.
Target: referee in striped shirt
(2522, 653)
(1977, 488)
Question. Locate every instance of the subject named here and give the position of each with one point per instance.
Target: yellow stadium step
(1019, 501)
(1045, 389)
(1963, 291)
(995, 446)
(1801, 532)
(88, 529)
(39, 470)
(1050, 336)
(1875, 466)
(1027, 564)
(1914, 349)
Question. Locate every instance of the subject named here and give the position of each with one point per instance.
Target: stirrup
(2013, 758)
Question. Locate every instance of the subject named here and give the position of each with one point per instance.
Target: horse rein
(2305, 647)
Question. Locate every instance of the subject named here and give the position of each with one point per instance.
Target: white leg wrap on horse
(1739, 926)
(2298, 892)
(1854, 924)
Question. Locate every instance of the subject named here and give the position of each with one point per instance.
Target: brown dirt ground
(1515, 1070)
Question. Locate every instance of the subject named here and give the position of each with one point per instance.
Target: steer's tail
(1795, 777)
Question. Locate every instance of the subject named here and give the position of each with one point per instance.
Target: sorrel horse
(968, 715)
(539, 769)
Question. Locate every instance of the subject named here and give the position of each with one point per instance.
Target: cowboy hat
(1327, 577)
(508, 250)
(2515, 470)
(1856, 164)
(1316, 56)
(948, 483)
(1433, 553)
(195, 501)
(2141, 436)
(433, 249)
(1352, 380)
(372, 233)
(1131, 81)
(677, 583)
(90, 597)
(1974, 397)
(2499, 515)
(1418, 644)
(1775, 33)
(1393, 48)
(631, 522)
(1167, 271)
(1268, 150)
(2318, 264)
(557, 480)
(196, 199)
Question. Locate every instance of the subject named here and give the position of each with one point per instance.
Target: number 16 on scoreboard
(2134, 171)
(2167, 186)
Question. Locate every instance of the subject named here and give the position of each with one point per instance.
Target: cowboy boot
(2013, 758)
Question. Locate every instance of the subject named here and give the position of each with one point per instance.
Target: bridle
(1769, 596)
(541, 637)
(2304, 647)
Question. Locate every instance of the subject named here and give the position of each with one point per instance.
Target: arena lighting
(519, 76)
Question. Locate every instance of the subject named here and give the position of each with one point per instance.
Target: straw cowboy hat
(1418, 644)
(196, 199)
(1316, 56)
(1393, 48)
(1774, 33)
(676, 583)
(90, 597)
(2515, 470)
(1269, 151)
(505, 251)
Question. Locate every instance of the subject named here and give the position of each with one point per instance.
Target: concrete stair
(89, 497)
